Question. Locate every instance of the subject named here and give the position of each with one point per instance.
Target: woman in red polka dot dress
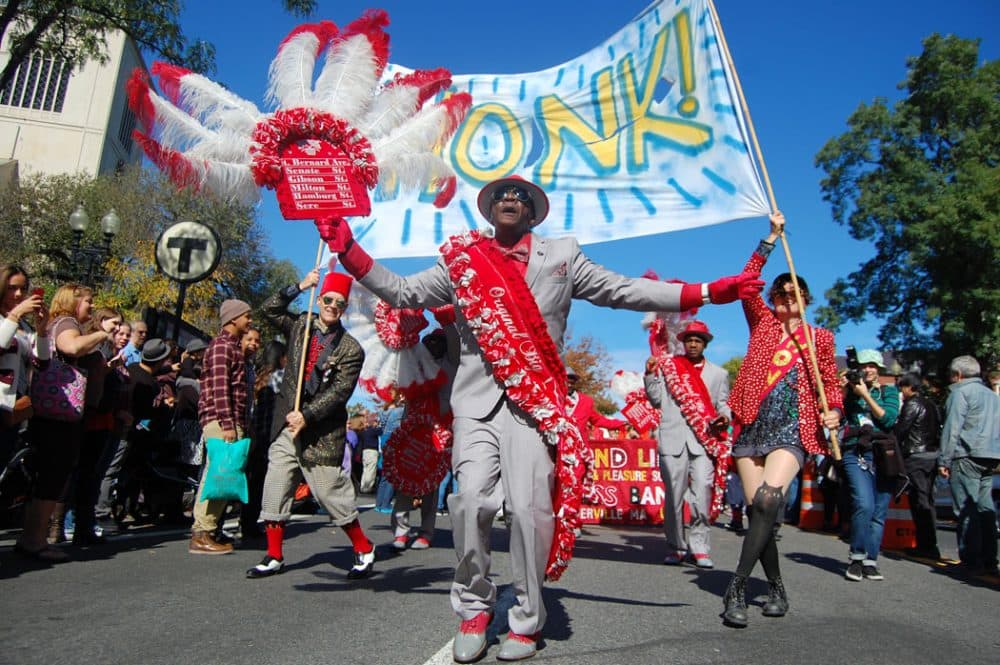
(777, 421)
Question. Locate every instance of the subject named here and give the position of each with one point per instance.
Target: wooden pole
(305, 334)
(810, 345)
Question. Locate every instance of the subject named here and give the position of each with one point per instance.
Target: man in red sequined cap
(308, 441)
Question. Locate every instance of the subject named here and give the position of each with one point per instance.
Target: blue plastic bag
(224, 477)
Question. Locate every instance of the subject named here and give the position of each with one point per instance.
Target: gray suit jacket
(557, 272)
(674, 432)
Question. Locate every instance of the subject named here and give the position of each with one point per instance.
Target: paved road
(143, 599)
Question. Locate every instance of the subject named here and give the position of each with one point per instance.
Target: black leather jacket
(918, 428)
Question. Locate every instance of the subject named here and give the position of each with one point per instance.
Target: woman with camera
(870, 410)
(777, 421)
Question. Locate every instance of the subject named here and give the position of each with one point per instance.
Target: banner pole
(305, 334)
(810, 345)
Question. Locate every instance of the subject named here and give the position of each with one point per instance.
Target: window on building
(39, 83)
(125, 130)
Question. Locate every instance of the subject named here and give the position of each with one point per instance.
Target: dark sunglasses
(519, 193)
(339, 303)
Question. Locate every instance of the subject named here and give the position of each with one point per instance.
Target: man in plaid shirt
(222, 410)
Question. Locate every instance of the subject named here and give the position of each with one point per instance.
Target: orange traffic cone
(900, 533)
(811, 510)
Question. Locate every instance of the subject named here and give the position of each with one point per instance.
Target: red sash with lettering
(785, 357)
(514, 338)
(685, 385)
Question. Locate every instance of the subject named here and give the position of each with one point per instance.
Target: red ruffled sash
(513, 336)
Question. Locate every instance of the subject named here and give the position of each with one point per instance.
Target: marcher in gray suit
(497, 443)
(682, 454)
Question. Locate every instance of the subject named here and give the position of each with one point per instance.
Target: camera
(853, 375)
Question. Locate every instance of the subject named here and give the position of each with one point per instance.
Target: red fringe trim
(456, 106)
(446, 193)
(428, 82)
(371, 25)
(169, 77)
(137, 88)
(444, 315)
(325, 32)
(178, 168)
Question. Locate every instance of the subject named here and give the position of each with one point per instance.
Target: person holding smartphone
(691, 393)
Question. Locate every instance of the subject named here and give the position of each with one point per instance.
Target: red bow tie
(519, 253)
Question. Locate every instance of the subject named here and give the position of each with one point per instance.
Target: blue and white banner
(641, 135)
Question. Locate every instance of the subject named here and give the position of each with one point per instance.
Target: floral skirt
(777, 423)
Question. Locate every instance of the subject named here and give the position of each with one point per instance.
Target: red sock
(358, 537)
(275, 532)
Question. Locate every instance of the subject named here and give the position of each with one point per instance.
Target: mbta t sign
(188, 252)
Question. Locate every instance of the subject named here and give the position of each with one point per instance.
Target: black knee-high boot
(758, 544)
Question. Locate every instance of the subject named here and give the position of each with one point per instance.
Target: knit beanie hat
(231, 309)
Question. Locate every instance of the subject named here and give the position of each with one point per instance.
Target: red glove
(337, 235)
(737, 287)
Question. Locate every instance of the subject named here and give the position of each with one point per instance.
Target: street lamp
(86, 264)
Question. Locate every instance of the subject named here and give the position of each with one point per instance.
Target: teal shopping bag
(225, 479)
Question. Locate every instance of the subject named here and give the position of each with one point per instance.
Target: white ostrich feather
(390, 108)
(624, 382)
(289, 79)
(225, 146)
(411, 170)
(418, 134)
(385, 368)
(176, 129)
(233, 182)
(348, 81)
(216, 106)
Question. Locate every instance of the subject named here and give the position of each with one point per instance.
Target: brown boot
(203, 543)
(57, 524)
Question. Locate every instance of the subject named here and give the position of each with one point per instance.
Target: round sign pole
(181, 293)
(187, 252)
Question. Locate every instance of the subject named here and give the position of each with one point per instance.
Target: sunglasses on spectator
(519, 193)
(339, 303)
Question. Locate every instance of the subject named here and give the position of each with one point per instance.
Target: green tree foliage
(33, 220)
(921, 179)
(732, 367)
(76, 30)
(592, 363)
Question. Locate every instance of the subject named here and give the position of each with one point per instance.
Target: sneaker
(854, 571)
(673, 558)
(442, 512)
(400, 542)
(871, 573)
(268, 566)
(703, 561)
(364, 563)
(421, 543)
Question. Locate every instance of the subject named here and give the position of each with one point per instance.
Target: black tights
(759, 543)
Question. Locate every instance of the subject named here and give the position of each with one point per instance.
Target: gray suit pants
(501, 456)
(677, 472)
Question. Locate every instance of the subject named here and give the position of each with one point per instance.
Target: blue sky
(804, 66)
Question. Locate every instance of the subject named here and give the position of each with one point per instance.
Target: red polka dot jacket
(765, 335)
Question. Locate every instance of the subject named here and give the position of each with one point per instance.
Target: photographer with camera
(870, 410)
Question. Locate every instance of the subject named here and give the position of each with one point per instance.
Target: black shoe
(777, 599)
(364, 563)
(87, 537)
(854, 571)
(871, 573)
(735, 601)
(268, 566)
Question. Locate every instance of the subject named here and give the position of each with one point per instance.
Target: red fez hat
(695, 328)
(337, 282)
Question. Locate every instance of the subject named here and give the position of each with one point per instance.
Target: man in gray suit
(500, 452)
(703, 389)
